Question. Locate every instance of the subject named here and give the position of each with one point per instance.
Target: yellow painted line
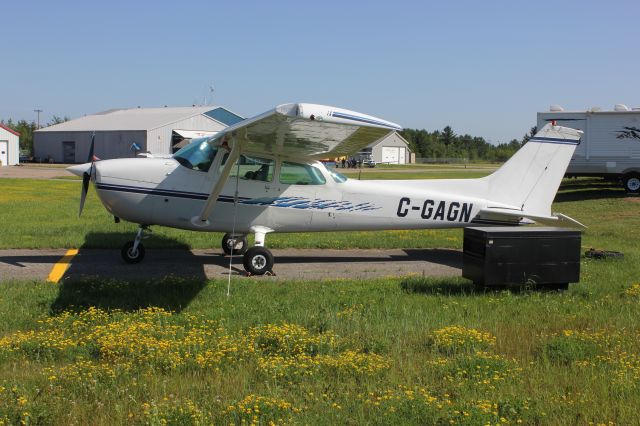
(61, 266)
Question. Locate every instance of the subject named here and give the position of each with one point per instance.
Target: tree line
(446, 144)
(26, 129)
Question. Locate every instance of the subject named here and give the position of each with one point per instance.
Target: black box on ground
(520, 256)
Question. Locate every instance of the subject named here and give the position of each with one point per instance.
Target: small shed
(393, 149)
(9, 146)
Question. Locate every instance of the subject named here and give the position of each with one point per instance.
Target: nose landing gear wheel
(258, 260)
(129, 256)
(238, 243)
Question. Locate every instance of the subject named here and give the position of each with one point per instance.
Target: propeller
(86, 176)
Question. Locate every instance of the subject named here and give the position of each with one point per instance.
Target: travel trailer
(610, 145)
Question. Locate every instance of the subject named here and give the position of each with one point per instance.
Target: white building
(9, 146)
(160, 131)
(393, 149)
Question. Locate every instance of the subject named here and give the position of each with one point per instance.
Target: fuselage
(164, 191)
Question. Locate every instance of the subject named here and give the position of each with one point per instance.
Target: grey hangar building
(122, 133)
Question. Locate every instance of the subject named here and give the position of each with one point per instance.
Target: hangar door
(4, 153)
(69, 152)
(393, 155)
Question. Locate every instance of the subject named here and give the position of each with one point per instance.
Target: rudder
(530, 179)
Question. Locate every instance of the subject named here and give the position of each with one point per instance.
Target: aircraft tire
(631, 183)
(258, 260)
(226, 245)
(129, 257)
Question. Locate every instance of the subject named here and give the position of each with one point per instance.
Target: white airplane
(262, 175)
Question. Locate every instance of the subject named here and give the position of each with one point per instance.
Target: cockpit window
(300, 174)
(338, 177)
(198, 155)
(252, 168)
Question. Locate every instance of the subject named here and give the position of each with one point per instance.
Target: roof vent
(621, 107)
(556, 108)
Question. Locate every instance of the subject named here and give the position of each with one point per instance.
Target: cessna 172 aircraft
(262, 175)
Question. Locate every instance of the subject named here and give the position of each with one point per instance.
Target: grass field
(407, 350)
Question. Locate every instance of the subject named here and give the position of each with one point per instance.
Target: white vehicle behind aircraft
(262, 175)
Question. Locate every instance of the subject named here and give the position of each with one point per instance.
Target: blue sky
(485, 68)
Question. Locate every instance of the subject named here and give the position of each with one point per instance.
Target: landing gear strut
(258, 260)
(133, 251)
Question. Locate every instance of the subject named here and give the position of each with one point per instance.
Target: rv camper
(610, 145)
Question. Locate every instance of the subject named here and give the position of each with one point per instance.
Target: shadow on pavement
(446, 257)
(22, 260)
(100, 278)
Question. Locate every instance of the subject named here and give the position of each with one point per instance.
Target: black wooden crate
(516, 256)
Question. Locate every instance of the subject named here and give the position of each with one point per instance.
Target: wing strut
(201, 220)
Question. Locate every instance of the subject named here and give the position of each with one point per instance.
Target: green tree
(26, 130)
(532, 133)
(57, 120)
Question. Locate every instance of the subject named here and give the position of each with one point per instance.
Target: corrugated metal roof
(129, 119)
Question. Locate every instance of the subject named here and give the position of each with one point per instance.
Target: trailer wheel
(631, 183)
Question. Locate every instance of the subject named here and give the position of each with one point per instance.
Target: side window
(251, 168)
(300, 174)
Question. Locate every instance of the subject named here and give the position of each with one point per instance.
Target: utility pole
(38, 111)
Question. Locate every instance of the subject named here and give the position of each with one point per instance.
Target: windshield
(198, 155)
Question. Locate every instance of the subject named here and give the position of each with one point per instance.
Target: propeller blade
(93, 139)
(86, 178)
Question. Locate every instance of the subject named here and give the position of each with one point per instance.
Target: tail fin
(530, 179)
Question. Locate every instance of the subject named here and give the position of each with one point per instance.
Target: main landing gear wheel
(239, 244)
(129, 255)
(258, 260)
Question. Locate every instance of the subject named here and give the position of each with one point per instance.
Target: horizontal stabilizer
(515, 215)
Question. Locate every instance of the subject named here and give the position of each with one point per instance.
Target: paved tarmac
(35, 171)
(290, 264)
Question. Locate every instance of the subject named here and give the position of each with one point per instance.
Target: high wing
(298, 130)
(309, 131)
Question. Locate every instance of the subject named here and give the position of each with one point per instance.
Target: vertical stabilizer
(530, 179)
